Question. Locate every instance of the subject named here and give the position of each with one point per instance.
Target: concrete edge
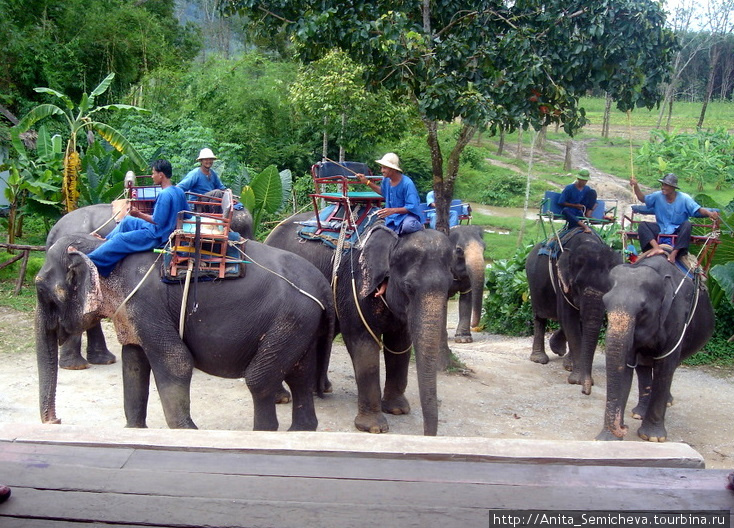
(587, 453)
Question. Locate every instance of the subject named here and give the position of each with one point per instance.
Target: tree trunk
(567, 161)
(518, 152)
(501, 146)
(607, 115)
(341, 137)
(325, 143)
(542, 136)
(713, 64)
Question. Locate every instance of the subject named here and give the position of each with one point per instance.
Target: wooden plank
(40, 454)
(645, 454)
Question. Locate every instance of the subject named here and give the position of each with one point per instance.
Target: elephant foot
(638, 413)
(539, 357)
(397, 405)
(557, 343)
(464, 338)
(568, 364)
(586, 382)
(73, 362)
(282, 395)
(371, 423)
(101, 357)
(607, 436)
(652, 433)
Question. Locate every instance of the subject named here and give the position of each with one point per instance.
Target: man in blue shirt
(672, 210)
(431, 213)
(140, 231)
(578, 201)
(202, 179)
(402, 211)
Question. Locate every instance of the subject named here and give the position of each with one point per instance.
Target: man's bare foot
(672, 256)
(97, 235)
(655, 251)
(381, 290)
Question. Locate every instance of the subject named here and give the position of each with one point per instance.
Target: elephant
(99, 218)
(411, 311)
(657, 317)
(569, 289)
(469, 273)
(274, 324)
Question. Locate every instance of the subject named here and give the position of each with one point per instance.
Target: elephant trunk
(592, 308)
(47, 357)
(476, 268)
(620, 334)
(427, 321)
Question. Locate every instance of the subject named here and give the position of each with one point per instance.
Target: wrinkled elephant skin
(412, 310)
(656, 319)
(569, 289)
(275, 324)
(99, 218)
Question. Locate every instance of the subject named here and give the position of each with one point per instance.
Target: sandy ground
(502, 395)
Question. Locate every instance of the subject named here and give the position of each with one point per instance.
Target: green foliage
(103, 170)
(33, 182)
(718, 350)
(507, 308)
(66, 44)
(266, 193)
(703, 159)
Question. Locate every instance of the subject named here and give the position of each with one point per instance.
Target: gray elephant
(657, 318)
(569, 288)
(411, 311)
(469, 277)
(284, 331)
(99, 218)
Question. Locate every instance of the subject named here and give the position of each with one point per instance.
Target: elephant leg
(557, 342)
(365, 356)
(396, 380)
(70, 354)
(644, 389)
(172, 371)
(538, 354)
(97, 351)
(136, 385)
(463, 330)
(282, 395)
(300, 380)
(653, 423)
(580, 372)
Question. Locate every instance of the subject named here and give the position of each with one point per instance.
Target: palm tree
(82, 121)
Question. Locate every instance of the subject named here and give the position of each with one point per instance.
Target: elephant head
(656, 318)
(68, 303)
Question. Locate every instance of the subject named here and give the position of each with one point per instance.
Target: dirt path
(503, 395)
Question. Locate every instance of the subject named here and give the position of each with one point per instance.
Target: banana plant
(266, 193)
(31, 186)
(81, 118)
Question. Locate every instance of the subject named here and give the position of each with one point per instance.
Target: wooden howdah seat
(213, 229)
(141, 196)
(336, 184)
(604, 214)
(704, 234)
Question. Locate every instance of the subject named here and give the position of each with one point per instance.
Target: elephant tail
(323, 352)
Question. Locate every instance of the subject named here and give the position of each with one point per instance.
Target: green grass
(685, 115)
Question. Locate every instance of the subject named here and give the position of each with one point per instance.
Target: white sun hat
(206, 154)
(390, 160)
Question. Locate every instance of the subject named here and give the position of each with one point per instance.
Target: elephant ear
(79, 269)
(374, 260)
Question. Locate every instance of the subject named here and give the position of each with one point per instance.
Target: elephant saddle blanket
(214, 260)
(339, 221)
(553, 246)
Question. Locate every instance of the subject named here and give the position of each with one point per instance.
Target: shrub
(507, 308)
